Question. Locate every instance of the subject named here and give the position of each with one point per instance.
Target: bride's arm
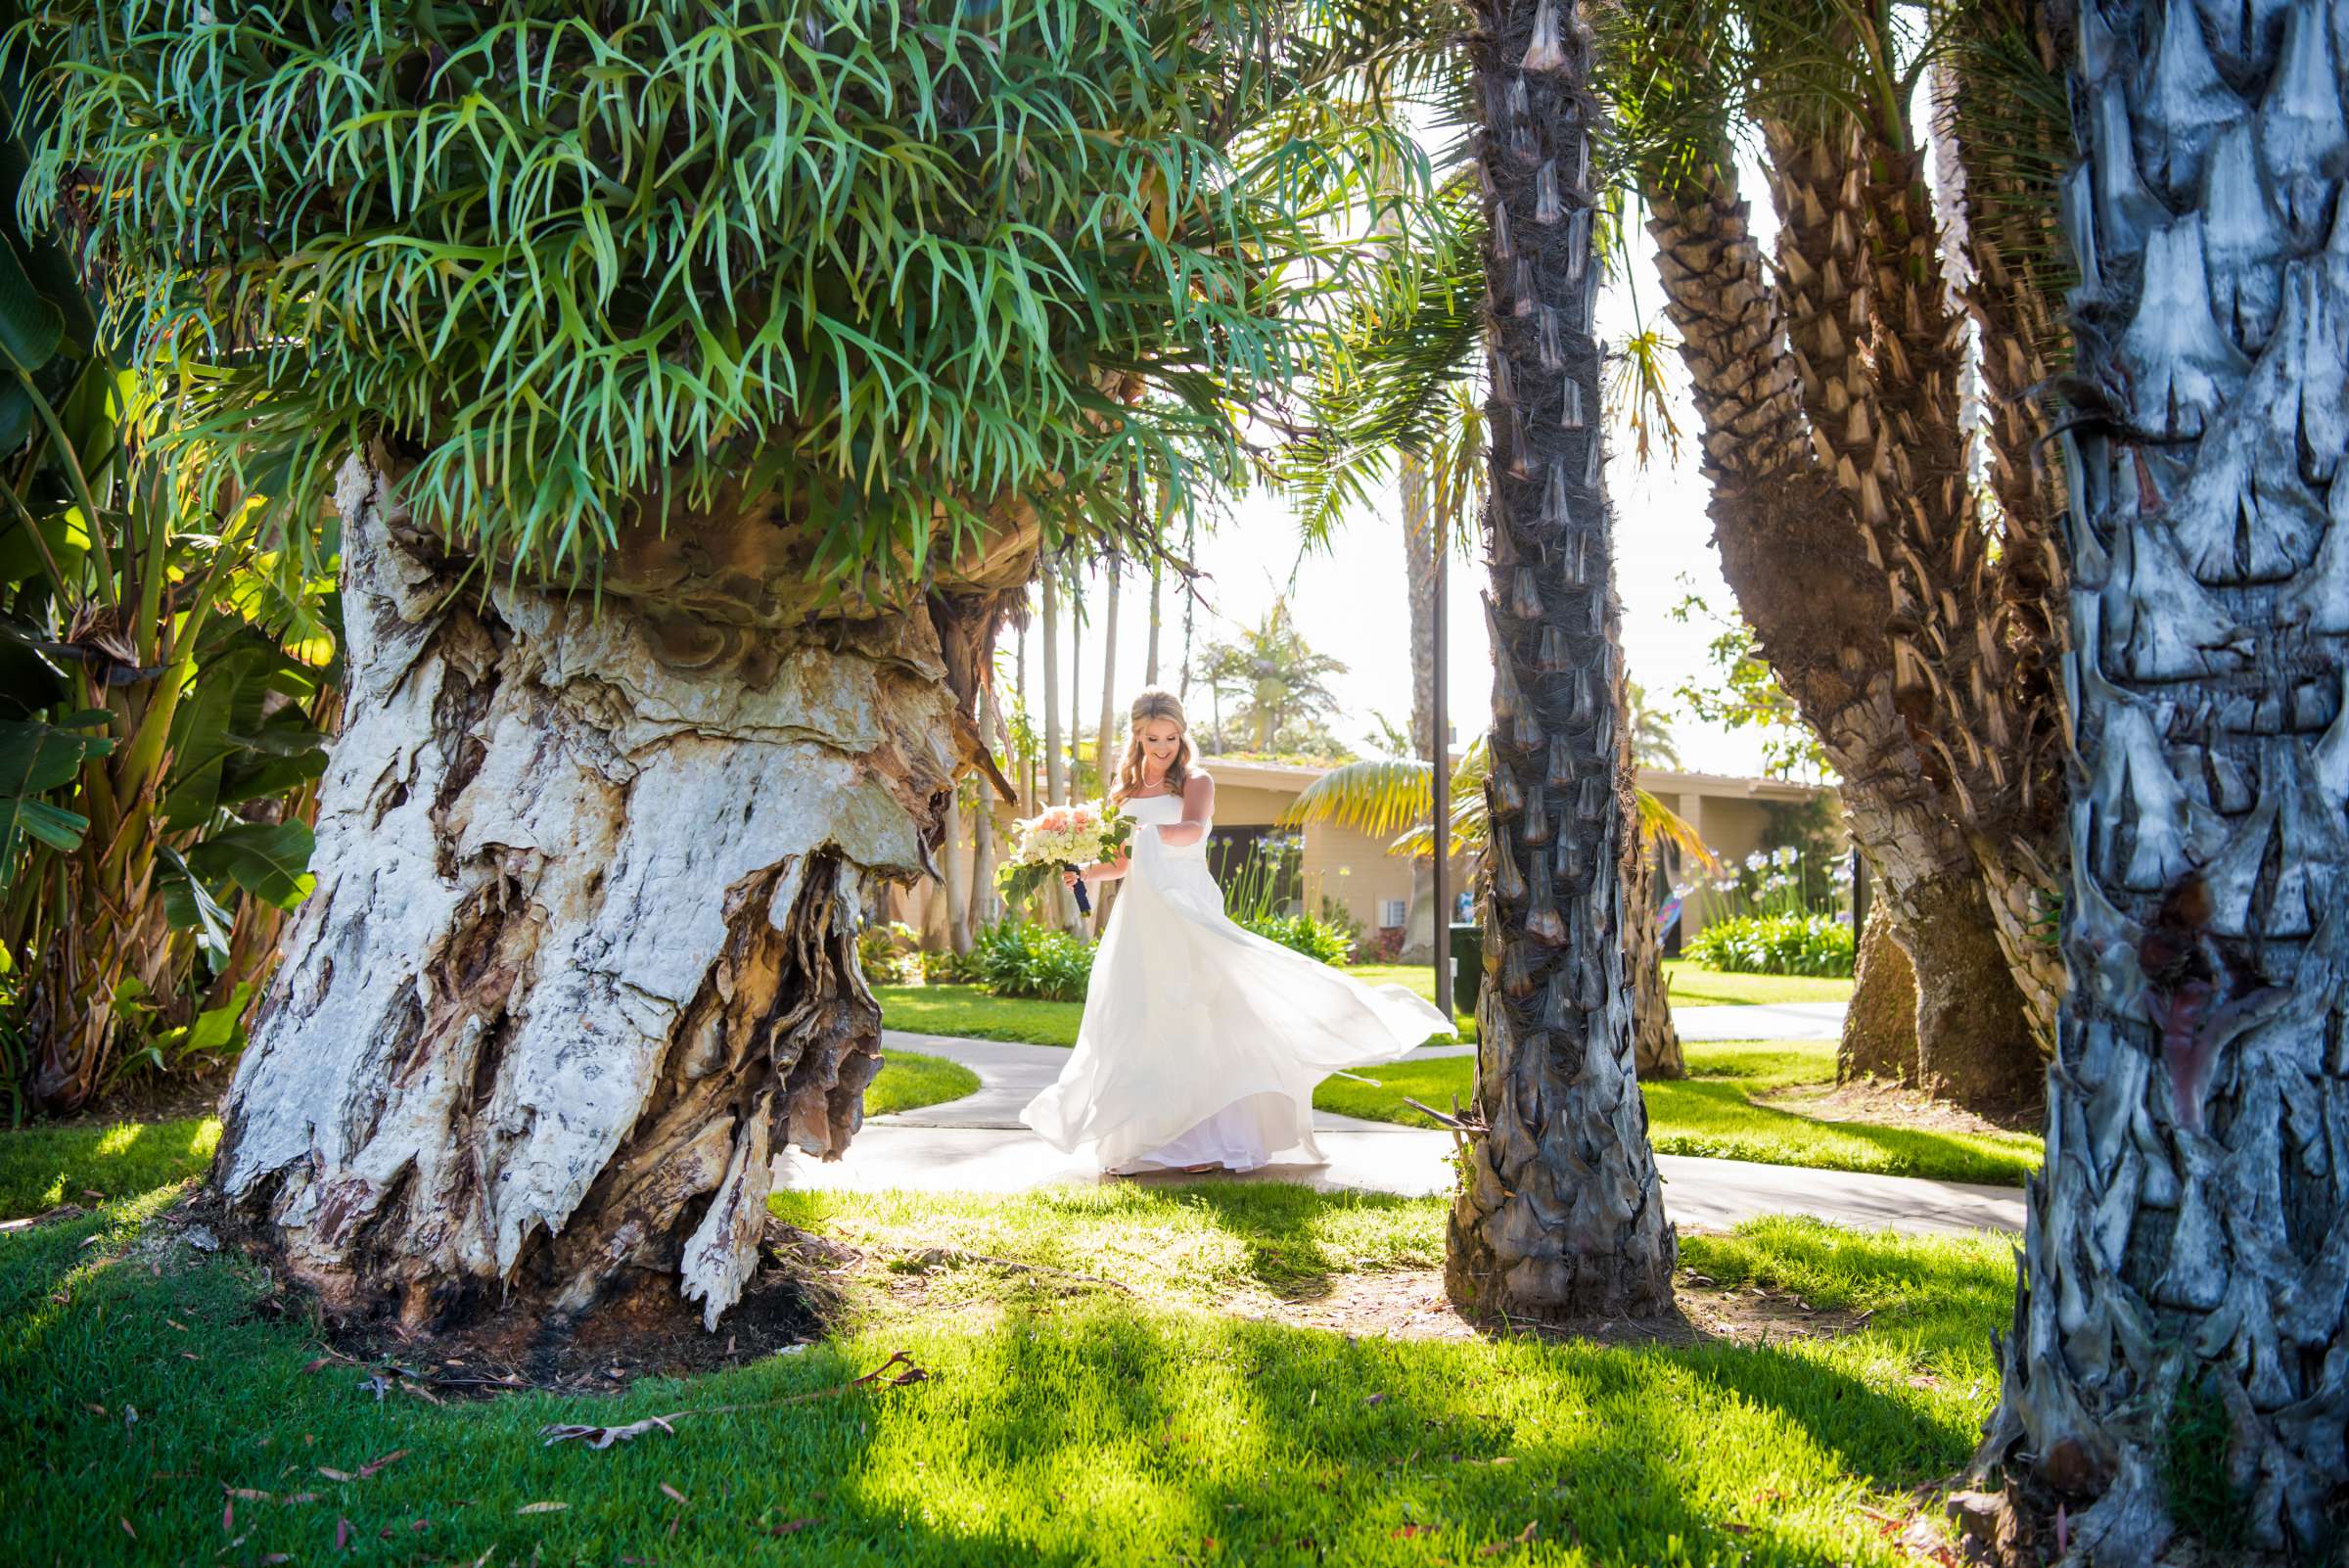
(1198, 810)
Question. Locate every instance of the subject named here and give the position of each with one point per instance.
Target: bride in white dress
(1201, 1042)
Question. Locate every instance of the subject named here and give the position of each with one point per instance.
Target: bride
(1201, 1042)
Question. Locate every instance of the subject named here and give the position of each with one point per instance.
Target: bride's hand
(1070, 879)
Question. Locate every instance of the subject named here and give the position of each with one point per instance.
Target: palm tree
(2186, 1251)
(1534, 1232)
(1652, 745)
(1278, 677)
(1830, 398)
(1394, 798)
(679, 499)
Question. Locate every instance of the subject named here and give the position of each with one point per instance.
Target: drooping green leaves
(900, 266)
(271, 860)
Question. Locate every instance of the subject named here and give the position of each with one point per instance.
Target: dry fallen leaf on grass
(542, 1507)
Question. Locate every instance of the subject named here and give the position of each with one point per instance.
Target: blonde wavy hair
(1154, 701)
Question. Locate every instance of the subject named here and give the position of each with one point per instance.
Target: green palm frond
(1661, 824)
(1395, 794)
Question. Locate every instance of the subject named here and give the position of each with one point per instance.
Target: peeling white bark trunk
(581, 955)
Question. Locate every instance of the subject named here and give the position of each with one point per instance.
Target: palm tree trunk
(2186, 1252)
(1656, 1049)
(1419, 574)
(983, 826)
(1057, 904)
(954, 884)
(1560, 1216)
(582, 958)
(1076, 689)
(1105, 735)
(1157, 573)
(1802, 543)
(1879, 1027)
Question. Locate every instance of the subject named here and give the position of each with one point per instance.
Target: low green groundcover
(158, 1418)
(1717, 1109)
(41, 1168)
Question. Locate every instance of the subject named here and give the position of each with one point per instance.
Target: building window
(1391, 913)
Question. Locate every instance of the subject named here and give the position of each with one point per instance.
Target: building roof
(1654, 780)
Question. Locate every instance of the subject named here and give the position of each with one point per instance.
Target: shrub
(1309, 935)
(889, 954)
(1018, 958)
(951, 968)
(1775, 944)
(1382, 946)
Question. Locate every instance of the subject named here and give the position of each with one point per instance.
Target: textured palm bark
(1560, 1214)
(2187, 1250)
(2001, 722)
(1802, 519)
(1879, 1027)
(582, 958)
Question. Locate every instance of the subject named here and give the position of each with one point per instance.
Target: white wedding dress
(1201, 1042)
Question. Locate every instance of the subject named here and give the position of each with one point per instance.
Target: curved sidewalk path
(977, 1144)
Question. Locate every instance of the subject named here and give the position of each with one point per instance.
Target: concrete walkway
(1772, 1021)
(977, 1144)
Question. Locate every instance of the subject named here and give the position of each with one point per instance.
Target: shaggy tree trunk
(1803, 544)
(1419, 921)
(582, 958)
(1560, 1216)
(1879, 1027)
(2186, 1251)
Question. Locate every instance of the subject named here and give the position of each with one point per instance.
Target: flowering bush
(1775, 944)
(1019, 959)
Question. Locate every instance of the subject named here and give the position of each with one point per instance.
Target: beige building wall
(1729, 813)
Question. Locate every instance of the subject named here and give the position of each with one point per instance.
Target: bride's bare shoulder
(1198, 784)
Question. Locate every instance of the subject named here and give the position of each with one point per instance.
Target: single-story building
(1732, 815)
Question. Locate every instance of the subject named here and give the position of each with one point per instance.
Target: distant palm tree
(1278, 677)
(1652, 745)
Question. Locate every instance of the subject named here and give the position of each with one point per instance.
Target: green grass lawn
(1712, 1112)
(1060, 1424)
(41, 1168)
(1694, 987)
(973, 1014)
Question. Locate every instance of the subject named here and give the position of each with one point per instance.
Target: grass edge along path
(1716, 1111)
(1056, 1424)
(42, 1167)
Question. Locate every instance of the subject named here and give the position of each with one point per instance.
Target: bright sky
(1351, 603)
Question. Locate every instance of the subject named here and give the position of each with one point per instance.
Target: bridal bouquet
(1063, 839)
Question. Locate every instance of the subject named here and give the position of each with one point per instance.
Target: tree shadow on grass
(1704, 1117)
(1282, 1226)
(1094, 1430)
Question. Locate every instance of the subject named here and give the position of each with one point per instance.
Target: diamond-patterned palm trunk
(1822, 486)
(2187, 1257)
(1561, 1217)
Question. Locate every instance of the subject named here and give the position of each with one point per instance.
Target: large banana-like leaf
(35, 759)
(268, 859)
(1395, 794)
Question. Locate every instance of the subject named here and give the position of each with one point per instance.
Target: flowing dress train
(1202, 1040)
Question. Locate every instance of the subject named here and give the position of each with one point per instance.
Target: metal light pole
(1442, 836)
